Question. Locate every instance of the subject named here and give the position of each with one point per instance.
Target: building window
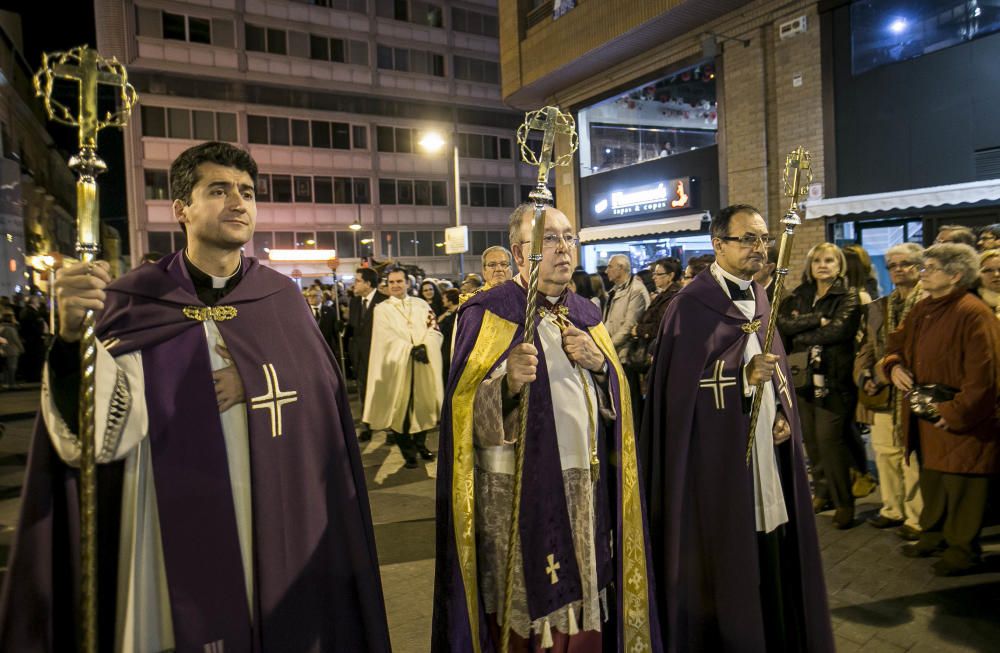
(263, 190)
(488, 195)
(266, 39)
(418, 192)
(300, 133)
(341, 132)
(303, 189)
(419, 12)
(357, 6)
(154, 121)
(281, 188)
(476, 70)
(320, 133)
(160, 242)
(277, 131)
(193, 29)
(284, 240)
(257, 129)
(395, 139)
(346, 245)
(410, 61)
(660, 118)
(174, 27)
(225, 124)
(359, 137)
(323, 48)
(483, 146)
(179, 123)
(473, 22)
(204, 125)
(362, 191)
(323, 190)
(157, 185)
(883, 33)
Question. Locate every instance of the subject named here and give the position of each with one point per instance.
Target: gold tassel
(547, 635)
(573, 628)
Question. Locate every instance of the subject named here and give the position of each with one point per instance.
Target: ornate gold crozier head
(797, 177)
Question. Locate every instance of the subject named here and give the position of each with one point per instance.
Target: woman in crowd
(819, 322)
(859, 273)
(695, 266)
(989, 279)
(581, 285)
(431, 294)
(952, 340)
(11, 348)
(600, 295)
(666, 274)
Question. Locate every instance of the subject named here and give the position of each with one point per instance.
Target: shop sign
(648, 198)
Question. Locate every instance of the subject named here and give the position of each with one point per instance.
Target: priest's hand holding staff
(761, 368)
(79, 288)
(522, 366)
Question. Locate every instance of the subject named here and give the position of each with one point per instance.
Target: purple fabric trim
(194, 497)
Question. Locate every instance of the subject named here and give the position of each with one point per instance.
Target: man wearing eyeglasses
(496, 265)
(735, 550)
(581, 531)
(898, 481)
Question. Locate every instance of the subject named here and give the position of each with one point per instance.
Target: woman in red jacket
(953, 340)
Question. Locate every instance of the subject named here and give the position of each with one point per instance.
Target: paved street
(880, 601)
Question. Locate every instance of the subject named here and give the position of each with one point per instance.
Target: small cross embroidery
(718, 383)
(552, 568)
(783, 384)
(273, 399)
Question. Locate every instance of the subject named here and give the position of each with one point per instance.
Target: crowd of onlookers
(24, 336)
(864, 359)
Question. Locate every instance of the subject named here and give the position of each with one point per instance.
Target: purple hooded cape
(489, 325)
(316, 577)
(701, 506)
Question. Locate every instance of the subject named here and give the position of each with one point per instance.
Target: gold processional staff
(89, 69)
(797, 176)
(551, 122)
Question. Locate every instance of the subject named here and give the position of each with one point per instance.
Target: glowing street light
(898, 26)
(432, 142)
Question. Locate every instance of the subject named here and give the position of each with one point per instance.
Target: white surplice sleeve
(120, 414)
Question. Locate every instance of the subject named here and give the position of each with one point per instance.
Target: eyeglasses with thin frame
(661, 274)
(930, 269)
(750, 240)
(551, 241)
(493, 265)
(906, 265)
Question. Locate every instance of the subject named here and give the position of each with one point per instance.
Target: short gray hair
(964, 234)
(956, 258)
(494, 249)
(623, 259)
(910, 251)
(516, 222)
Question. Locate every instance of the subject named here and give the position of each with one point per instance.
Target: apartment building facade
(332, 98)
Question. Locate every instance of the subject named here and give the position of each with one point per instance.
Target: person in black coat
(446, 322)
(819, 322)
(32, 327)
(366, 297)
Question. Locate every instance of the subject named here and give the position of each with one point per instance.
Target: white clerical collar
(220, 282)
(742, 283)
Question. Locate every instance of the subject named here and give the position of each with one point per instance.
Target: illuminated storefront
(649, 169)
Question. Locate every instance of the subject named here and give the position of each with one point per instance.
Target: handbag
(922, 398)
(798, 365)
(636, 357)
(877, 401)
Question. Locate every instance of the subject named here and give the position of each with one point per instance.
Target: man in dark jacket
(366, 297)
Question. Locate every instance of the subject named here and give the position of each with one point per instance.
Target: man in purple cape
(581, 580)
(234, 514)
(734, 545)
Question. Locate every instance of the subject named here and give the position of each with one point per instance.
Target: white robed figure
(405, 389)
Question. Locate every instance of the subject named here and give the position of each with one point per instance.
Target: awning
(917, 198)
(688, 222)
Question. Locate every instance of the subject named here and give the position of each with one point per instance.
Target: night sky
(47, 29)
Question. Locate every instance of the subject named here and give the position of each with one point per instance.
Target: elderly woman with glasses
(989, 278)
(950, 339)
(819, 322)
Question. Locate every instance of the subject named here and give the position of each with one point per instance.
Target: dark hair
(720, 223)
(453, 295)
(184, 169)
(437, 304)
(582, 282)
(699, 264)
(993, 229)
(395, 269)
(646, 276)
(859, 266)
(368, 275)
(669, 264)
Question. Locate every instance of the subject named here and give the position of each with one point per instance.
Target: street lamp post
(433, 142)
